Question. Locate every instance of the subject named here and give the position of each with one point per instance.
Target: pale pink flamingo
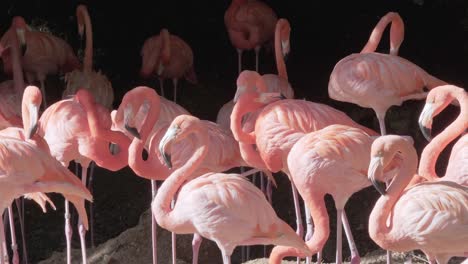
(430, 216)
(333, 160)
(278, 127)
(167, 56)
(457, 169)
(87, 78)
(225, 208)
(250, 24)
(378, 81)
(27, 169)
(77, 129)
(43, 53)
(274, 83)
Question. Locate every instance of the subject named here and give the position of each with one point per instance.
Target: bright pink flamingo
(167, 56)
(334, 161)
(278, 127)
(430, 216)
(250, 24)
(27, 169)
(77, 129)
(225, 208)
(43, 53)
(87, 78)
(378, 81)
(437, 100)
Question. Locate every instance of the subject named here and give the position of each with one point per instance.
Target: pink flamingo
(250, 24)
(430, 216)
(274, 83)
(225, 208)
(77, 129)
(27, 169)
(321, 163)
(278, 127)
(43, 53)
(437, 100)
(378, 81)
(167, 56)
(87, 78)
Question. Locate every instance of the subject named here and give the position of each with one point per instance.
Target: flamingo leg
(154, 190)
(244, 255)
(68, 230)
(42, 81)
(14, 245)
(21, 220)
(161, 86)
(226, 259)
(174, 81)
(381, 118)
(355, 259)
(300, 227)
(3, 250)
(81, 229)
(196, 243)
(91, 211)
(309, 228)
(257, 53)
(339, 236)
(173, 236)
(239, 60)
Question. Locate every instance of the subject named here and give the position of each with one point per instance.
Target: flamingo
(167, 56)
(430, 216)
(77, 129)
(250, 24)
(225, 208)
(333, 160)
(43, 53)
(27, 169)
(437, 100)
(274, 83)
(378, 81)
(87, 78)
(278, 127)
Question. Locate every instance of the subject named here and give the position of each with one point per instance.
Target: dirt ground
(436, 38)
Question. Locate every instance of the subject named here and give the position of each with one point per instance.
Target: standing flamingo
(27, 169)
(167, 56)
(278, 127)
(77, 129)
(378, 81)
(332, 161)
(250, 24)
(437, 100)
(87, 78)
(43, 53)
(430, 216)
(225, 208)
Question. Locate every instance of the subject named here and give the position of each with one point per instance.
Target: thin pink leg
(3, 249)
(196, 243)
(161, 86)
(91, 211)
(81, 228)
(300, 227)
(355, 259)
(20, 206)
(257, 53)
(154, 190)
(68, 231)
(173, 235)
(239, 60)
(44, 104)
(14, 245)
(381, 118)
(339, 236)
(174, 82)
(309, 229)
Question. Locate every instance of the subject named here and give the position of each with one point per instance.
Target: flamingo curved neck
(88, 56)
(162, 202)
(152, 168)
(280, 64)
(18, 78)
(431, 152)
(166, 45)
(239, 110)
(396, 34)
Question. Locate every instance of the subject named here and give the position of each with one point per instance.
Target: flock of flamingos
(320, 149)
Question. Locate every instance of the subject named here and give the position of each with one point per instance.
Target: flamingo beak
(132, 130)
(33, 117)
(166, 143)
(425, 121)
(22, 40)
(160, 68)
(375, 172)
(285, 49)
(239, 91)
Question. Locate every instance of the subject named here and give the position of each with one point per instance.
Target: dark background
(322, 33)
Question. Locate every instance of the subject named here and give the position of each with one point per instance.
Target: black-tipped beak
(167, 159)
(286, 57)
(23, 48)
(282, 97)
(379, 186)
(133, 131)
(375, 171)
(427, 132)
(32, 131)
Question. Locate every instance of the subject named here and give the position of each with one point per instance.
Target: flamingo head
(20, 27)
(32, 99)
